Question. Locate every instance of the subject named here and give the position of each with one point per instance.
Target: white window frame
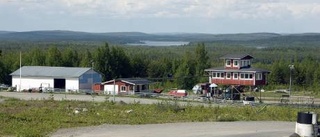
(234, 63)
(228, 73)
(123, 87)
(258, 76)
(246, 76)
(218, 75)
(242, 63)
(235, 74)
(228, 60)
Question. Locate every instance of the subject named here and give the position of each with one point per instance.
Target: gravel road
(79, 97)
(196, 129)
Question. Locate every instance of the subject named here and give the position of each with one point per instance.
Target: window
(123, 88)
(246, 76)
(228, 62)
(222, 75)
(218, 75)
(242, 76)
(235, 75)
(235, 62)
(258, 76)
(228, 76)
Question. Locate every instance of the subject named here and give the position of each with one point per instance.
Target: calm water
(159, 43)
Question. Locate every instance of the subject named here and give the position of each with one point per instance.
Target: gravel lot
(202, 129)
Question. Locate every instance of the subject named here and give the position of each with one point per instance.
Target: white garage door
(109, 89)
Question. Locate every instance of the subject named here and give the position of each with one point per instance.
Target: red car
(178, 93)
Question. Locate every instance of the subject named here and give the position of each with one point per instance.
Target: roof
(236, 56)
(251, 69)
(132, 81)
(46, 71)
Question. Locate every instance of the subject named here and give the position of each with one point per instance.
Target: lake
(159, 43)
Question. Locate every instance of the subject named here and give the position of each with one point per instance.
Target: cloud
(243, 9)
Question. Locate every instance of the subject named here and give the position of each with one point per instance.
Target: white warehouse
(68, 78)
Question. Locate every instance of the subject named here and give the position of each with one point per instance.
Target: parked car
(3, 87)
(178, 93)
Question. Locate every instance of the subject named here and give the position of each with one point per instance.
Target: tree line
(172, 66)
(114, 62)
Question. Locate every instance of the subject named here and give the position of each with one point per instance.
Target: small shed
(126, 86)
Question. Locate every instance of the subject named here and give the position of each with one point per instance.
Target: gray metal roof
(236, 56)
(137, 81)
(132, 81)
(222, 69)
(45, 71)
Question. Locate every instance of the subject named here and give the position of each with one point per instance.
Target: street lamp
(291, 68)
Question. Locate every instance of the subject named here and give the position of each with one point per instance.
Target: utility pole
(114, 90)
(290, 87)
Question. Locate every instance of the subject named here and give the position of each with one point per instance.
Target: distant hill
(5, 32)
(136, 37)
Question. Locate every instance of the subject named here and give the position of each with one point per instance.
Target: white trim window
(214, 74)
(123, 88)
(219, 75)
(228, 75)
(228, 63)
(258, 76)
(235, 75)
(235, 63)
(246, 76)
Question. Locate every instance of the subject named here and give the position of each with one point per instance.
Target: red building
(126, 86)
(237, 70)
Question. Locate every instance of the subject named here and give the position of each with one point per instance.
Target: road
(81, 97)
(195, 129)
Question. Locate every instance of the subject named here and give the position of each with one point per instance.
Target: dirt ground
(197, 129)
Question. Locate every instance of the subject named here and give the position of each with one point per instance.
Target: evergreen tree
(86, 60)
(139, 65)
(185, 75)
(120, 65)
(103, 62)
(38, 58)
(70, 58)
(53, 57)
(202, 61)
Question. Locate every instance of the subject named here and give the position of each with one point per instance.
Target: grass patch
(41, 117)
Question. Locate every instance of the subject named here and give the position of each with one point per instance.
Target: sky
(162, 16)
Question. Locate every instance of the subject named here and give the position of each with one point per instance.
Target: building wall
(109, 89)
(88, 79)
(233, 82)
(72, 84)
(31, 82)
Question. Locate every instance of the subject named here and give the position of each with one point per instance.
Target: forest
(172, 66)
